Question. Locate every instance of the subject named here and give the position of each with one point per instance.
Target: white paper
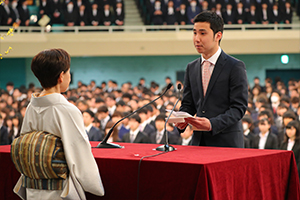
(180, 114)
(178, 117)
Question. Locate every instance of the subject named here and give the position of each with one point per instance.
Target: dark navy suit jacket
(224, 104)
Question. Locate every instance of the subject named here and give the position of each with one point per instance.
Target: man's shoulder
(194, 62)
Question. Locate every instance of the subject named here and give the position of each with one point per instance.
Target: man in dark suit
(24, 13)
(158, 136)
(135, 135)
(215, 88)
(94, 133)
(145, 127)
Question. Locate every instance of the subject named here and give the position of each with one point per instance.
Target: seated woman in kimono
(49, 111)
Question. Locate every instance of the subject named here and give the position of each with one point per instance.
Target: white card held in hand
(178, 117)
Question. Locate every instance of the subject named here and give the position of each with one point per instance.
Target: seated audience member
(157, 14)
(186, 136)
(265, 14)
(229, 15)
(14, 5)
(291, 141)
(287, 13)
(266, 114)
(253, 16)
(275, 15)
(248, 134)
(286, 118)
(135, 135)
(281, 109)
(56, 15)
(14, 124)
(125, 126)
(114, 136)
(170, 14)
(119, 14)
(145, 127)
(158, 136)
(103, 116)
(70, 15)
(82, 105)
(83, 16)
(111, 103)
(218, 9)
(295, 104)
(240, 14)
(95, 15)
(107, 16)
(45, 8)
(181, 15)
(265, 139)
(6, 14)
(204, 6)
(192, 11)
(3, 133)
(93, 133)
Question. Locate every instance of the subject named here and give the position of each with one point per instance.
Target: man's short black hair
(90, 113)
(136, 118)
(216, 22)
(161, 117)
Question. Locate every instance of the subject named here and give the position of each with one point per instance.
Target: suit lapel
(215, 74)
(138, 138)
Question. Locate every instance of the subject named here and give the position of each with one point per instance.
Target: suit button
(203, 111)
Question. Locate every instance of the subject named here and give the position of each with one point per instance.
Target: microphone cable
(139, 167)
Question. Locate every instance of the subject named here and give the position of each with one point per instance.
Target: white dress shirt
(262, 140)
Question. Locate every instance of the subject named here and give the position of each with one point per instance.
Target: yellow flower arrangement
(9, 33)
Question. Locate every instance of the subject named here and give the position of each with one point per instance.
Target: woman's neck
(49, 91)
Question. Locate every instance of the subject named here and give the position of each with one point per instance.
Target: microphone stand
(105, 144)
(166, 147)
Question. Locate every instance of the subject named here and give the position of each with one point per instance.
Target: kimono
(54, 114)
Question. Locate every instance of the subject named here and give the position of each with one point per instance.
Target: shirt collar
(134, 132)
(88, 128)
(265, 136)
(213, 59)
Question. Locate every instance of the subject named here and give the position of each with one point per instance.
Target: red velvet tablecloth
(188, 173)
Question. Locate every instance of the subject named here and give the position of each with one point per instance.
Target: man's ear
(218, 36)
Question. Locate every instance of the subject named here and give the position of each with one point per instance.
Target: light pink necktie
(205, 75)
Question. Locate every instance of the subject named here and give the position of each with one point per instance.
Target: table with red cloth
(190, 172)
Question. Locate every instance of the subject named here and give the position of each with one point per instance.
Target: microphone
(105, 144)
(166, 147)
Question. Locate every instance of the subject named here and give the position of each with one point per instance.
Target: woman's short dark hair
(48, 65)
(216, 22)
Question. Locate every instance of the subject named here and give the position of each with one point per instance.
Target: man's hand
(181, 125)
(199, 123)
